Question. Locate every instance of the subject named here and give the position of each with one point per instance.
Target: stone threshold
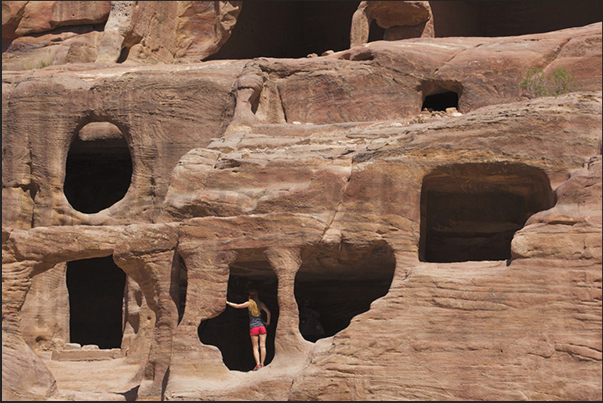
(75, 352)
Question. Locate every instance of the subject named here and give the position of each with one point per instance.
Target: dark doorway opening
(439, 95)
(229, 331)
(289, 29)
(123, 55)
(96, 288)
(470, 212)
(98, 168)
(376, 33)
(180, 284)
(335, 284)
(441, 101)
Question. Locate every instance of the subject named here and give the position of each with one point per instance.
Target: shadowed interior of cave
(376, 33)
(441, 101)
(510, 18)
(96, 288)
(289, 29)
(438, 95)
(334, 284)
(470, 212)
(98, 169)
(181, 279)
(229, 331)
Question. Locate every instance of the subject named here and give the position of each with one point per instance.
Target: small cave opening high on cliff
(334, 284)
(438, 95)
(289, 29)
(441, 101)
(470, 212)
(229, 331)
(96, 289)
(510, 18)
(98, 169)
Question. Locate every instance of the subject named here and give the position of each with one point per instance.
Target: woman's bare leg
(256, 348)
(262, 348)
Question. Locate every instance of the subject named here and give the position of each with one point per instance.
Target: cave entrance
(335, 284)
(441, 101)
(289, 29)
(440, 95)
(98, 169)
(229, 331)
(96, 289)
(470, 212)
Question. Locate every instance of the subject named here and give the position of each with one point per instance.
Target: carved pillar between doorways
(289, 345)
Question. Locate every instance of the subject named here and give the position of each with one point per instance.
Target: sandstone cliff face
(39, 33)
(454, 254)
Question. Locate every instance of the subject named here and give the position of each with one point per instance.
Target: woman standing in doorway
(257, 330)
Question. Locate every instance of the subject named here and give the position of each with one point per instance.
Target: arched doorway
(229, 331)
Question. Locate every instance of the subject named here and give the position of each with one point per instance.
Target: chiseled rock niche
(452, 253)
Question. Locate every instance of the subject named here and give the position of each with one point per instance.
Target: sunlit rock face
(441, 223)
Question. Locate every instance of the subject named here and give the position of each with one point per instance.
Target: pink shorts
(257, 330)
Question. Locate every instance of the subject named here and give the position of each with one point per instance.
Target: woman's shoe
(257, 367)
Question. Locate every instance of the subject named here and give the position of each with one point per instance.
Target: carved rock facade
(446, 226)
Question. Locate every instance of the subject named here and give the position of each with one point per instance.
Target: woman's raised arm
(238, 306)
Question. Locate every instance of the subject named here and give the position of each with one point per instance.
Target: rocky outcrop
(401, 20)
(166, 32)
(453, 248)
(37, 34)
(546, 233)
(40, 33)
(29, 17)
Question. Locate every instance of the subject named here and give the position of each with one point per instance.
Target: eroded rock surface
(454, 254)
(40, 33)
